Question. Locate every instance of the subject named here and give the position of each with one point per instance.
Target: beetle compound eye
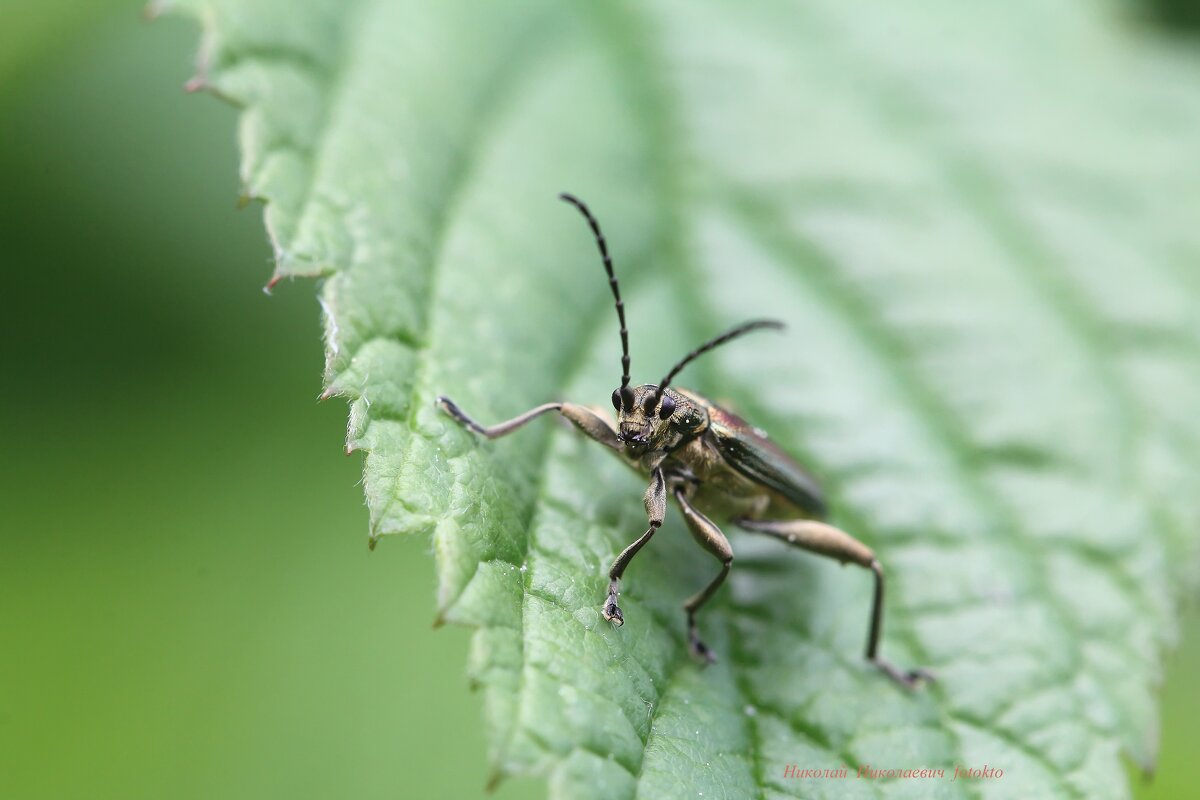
(616, 398)
(667, 408)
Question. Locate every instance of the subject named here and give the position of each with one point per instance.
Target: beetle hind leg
(826, 540)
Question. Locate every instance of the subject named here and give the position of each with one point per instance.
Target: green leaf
(978, 222)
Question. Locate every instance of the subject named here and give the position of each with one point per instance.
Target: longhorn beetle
(705, 456)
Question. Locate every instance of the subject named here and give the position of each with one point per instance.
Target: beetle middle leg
(708, 536)
(826, 540)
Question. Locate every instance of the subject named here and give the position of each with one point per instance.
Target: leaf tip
(1146, 763)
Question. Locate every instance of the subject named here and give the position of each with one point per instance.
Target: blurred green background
(187, 603)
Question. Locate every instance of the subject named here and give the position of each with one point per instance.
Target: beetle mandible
(705, 456)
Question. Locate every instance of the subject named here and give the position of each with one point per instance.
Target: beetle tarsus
(909, 679)
(611, 611)
(450, 408)
(699, 650)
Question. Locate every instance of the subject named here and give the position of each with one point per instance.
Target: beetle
(705, 456)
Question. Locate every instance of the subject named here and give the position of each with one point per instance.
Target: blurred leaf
(978, 221)
(1177, 16)
(31, 29)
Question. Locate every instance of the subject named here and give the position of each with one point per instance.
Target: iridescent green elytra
(705, 457)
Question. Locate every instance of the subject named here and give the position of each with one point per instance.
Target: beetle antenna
(612, 281)
(729, 335)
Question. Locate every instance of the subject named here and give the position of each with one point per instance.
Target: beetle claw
(612, 612)
(699, 650)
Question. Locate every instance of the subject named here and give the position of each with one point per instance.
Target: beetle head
(650, 418)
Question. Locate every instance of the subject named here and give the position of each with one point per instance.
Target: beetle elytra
(706, 457)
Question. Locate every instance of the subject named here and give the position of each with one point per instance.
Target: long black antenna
(612, 283)
(728, 335)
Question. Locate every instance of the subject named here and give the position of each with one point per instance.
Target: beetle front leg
(708, 536)
(656, 509)
(588, 421)
(826, 540)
